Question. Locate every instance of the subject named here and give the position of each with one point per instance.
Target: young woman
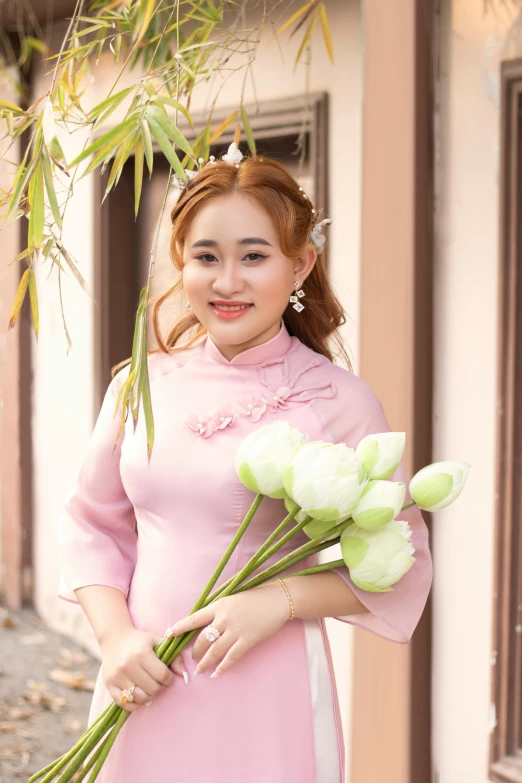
(261, 706)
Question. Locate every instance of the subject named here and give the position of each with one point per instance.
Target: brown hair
(277, 192)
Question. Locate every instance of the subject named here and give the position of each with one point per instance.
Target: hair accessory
(285, 588)
(234, 156)
(317, 236)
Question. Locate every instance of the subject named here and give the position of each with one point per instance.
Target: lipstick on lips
(220, 307)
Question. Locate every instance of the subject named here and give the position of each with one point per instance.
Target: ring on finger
(211, 633)
(127, 694)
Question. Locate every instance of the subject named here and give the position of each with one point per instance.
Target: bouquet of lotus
(335, 494)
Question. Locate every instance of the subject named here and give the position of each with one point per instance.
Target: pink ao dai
(273, 717)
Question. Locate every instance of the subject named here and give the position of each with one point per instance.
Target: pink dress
(273, 717)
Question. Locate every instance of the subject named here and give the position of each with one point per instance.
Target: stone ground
(46, 684)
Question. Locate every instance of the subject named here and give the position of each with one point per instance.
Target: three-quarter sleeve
(353, 414)
(97, 542)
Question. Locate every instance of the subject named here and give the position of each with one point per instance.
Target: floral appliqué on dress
(253, 406)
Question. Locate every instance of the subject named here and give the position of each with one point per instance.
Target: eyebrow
(244, 241)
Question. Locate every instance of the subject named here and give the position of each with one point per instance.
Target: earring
(298, 295)
(188, 305)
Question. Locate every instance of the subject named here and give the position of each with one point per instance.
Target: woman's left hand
(244, 619)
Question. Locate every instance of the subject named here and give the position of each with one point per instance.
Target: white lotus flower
(380, 502)
(262, 456)
(377, 559)
(381, 453)
(439, 484)
(233, 155)
(325, 479)
(315, 527)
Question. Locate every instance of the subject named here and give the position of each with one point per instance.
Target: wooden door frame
(391, 731)
(16, 460)
(505, 754)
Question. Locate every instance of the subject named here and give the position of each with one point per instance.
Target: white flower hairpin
(316, 234)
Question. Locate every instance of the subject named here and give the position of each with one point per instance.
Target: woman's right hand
(129, 659)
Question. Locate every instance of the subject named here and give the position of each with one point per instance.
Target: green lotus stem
(95, 756)
(178, 643)
(114, 717)
(262, 555)
(57, 765)
(166, 643)
(298, 554)
(108, 743)
(88, 745)
(263, 548)
(316, 569)
(409, 504)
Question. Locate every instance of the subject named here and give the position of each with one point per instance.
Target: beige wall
(465, 381)
(63, 392)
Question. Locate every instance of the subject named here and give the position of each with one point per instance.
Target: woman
(261, 705)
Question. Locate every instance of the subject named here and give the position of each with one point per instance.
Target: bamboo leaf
(176, 105)
(11, 107)
(166, 147)
(137, 348)
(146, 400)
(248, 131)
(49, 186)
(107, 142)
(306, 38)
(147, 144)
(294, 17)
(19, 298)
(223, 126)
(109, 103)
(72, 266)
(237, 133)
(326, 31)
(55, 151)
(138, 174)
(103, 156)
(168, 127)
(19, 257)
(33, 296)
(9, 120)
(149, 10)
(36, 204)
(20, 187)
(119, 162)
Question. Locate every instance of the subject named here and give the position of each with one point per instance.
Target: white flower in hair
(233, 155)
(180, 181)
(316, 234)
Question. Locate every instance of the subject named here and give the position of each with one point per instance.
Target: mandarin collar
(270, 349)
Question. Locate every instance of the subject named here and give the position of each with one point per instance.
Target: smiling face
(232, 259)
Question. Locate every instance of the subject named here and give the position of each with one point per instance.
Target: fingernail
(185, 676)
(148, 703)
(215, 674)
(196, 671)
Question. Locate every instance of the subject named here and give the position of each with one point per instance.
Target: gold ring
(126, 694)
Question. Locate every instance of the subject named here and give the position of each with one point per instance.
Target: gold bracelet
(285, 588)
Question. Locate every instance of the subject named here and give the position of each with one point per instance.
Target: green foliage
(179, 45)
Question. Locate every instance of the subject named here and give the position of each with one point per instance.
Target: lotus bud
(262, 456)
(381, 501)
(315, 527)
(381, 453)
(439, 484)
(325, 479)
(377, 559)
